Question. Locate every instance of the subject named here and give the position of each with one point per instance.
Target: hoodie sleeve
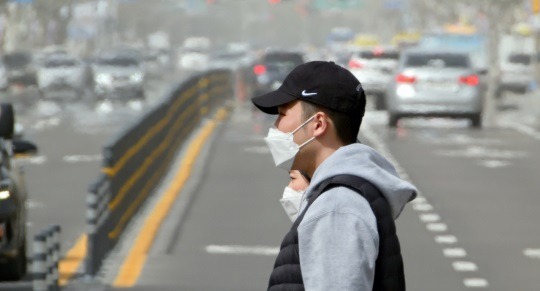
(338, 243)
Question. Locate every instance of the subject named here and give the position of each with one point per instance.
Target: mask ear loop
(302, 125)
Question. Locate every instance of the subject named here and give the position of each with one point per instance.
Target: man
(344, 237)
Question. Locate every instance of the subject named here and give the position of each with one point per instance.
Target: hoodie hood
(363, 161)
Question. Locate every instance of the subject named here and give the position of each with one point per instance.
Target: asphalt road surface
(473, 227)
(70, 140)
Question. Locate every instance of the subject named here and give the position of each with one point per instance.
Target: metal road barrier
(45, 260)
(136, 159)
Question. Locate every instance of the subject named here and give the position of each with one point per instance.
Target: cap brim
(269, 102)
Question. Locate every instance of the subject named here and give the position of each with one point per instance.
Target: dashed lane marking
(446, 239)
(475, 283)
(463, 266)
(242, 250)
(437, 227)
(532, 253)
(430, 217)
(422, 207)
(454, 253)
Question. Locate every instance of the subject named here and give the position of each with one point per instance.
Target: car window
(17, 60)
(283, 62)
(437, 60)
(118, 62)
(54, 63)
(521, 59)
(379, 55)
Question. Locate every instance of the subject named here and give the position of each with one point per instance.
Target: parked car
(62, 78)
(436, 83)
(517, 73)
(374, 68)
(21, 69)
(118, 76)
(13, 197)
(273, 68)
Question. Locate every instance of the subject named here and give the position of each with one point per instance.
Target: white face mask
(283, 147)
(291, 202)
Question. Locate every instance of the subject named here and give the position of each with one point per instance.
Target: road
(472, 227)
(70, 142)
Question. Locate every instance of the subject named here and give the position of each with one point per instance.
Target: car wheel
(7, 120)
(380, 102)
(476, 121)
(393, 120)
(15, 269)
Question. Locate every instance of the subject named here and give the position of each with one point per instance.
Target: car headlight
(103, 79)
(136, 78)
(4, 194)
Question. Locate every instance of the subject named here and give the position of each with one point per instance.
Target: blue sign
(393, 4)
(22, 1)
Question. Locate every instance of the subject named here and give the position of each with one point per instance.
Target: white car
(61, 77)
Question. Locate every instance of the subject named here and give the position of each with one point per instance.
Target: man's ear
(322, 124)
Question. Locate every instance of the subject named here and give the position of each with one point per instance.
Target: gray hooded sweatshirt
(338, 238)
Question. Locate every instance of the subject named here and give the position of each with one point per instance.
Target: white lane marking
(476, 283)
(242, 250)
(494, 164)
(257, 150)
(454, 253)
(82, 158)
(532, 253)
(483, 152)
(419, 200)
(32, 204)
(39, 160)
(437, 227)
(524, 129)
(430, 217)
(446, 239)
(463, 139)
(422, 207)
(463, 266)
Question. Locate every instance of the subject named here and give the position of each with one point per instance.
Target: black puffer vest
(389, 273)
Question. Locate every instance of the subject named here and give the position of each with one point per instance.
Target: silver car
(374, 68)
(435, 83)
(517, 73)
(118, 77)
(62, 77)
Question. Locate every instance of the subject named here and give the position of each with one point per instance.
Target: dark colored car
(13, 197)
(20, 68)
(273, 69)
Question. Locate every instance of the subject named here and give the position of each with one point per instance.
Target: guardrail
(46, 248)
(135, 160)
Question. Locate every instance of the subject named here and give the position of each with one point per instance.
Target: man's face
(289, 119)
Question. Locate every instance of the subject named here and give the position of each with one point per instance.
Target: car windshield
(379, 55)
(520, 59)
(282, 62)
(53, 63)
(17, 60)
(118, 62)
(437, 60)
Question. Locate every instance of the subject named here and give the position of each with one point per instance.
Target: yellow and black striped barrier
(135, 160)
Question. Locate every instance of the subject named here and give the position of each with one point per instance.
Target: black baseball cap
(323, 83)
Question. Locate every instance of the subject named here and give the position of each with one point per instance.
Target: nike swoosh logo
(304, 93)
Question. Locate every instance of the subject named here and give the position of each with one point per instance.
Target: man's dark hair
(347, 125)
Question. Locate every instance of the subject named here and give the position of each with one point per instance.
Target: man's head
(328, 99)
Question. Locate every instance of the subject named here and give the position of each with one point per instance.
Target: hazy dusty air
(287, 23)
(130, 124)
